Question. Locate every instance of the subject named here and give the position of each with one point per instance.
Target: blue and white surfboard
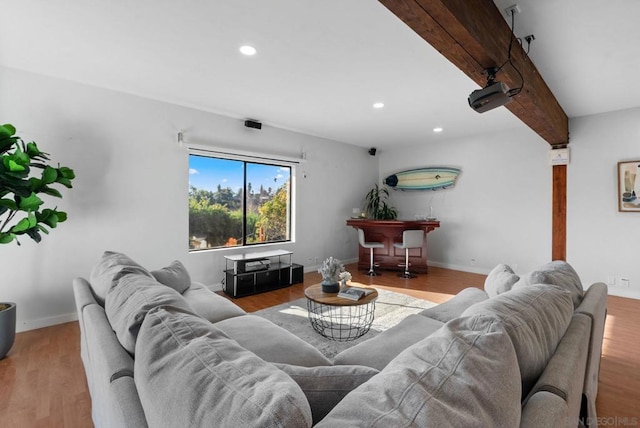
(432, 178)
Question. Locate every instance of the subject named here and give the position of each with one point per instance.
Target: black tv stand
(253, 273)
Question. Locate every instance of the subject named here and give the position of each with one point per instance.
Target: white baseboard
(45, 322)
(463, 268)
(624, 292)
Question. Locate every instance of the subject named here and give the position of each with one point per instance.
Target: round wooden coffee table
(338, 318)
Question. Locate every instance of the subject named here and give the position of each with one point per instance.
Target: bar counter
(389, 232)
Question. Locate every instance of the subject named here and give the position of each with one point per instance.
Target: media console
(252, 273)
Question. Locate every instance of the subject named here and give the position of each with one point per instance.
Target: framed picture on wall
(629, 186)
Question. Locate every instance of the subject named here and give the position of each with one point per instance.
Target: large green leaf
(20, 226)
(32, 149)
(62, 216)
(49, 175)
(51, 220)
(30, 203)
(8, 203)
(7, 140)
(51, 192)
(6, 237)
(67, 172)
(65, 182)
(11, 165)
(34, 234)
(7, 130)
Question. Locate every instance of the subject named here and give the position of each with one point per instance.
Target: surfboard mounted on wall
(431, 178)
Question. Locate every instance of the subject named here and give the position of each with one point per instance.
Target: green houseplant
(25, 174)
(377, 207)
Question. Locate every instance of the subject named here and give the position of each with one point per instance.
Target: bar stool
(410, 239)
(370, 246)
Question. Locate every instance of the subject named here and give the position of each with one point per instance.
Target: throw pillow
(500, 280)
(558, 273)
(326, 386)
(271, 342)
(191, 374)
(175, 276)
(466, 373)
(109, 269)
(454, 307)
(128, 304)
(210, 305)
(535, 318)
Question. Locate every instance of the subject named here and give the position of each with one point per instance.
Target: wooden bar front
(389, 232)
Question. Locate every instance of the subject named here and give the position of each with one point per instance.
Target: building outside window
(237, 202)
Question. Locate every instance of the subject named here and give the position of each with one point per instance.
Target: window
(236, 202)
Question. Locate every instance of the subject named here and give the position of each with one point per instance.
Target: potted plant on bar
(377, 207)
(21, 210)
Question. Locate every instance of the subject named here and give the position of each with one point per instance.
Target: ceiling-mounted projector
(495, 94)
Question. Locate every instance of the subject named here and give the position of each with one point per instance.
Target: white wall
(498, 212)
(602, 242)
(500, 209)
(131, 189)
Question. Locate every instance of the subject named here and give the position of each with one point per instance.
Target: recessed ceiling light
(378, 105)
(248, 50)
(437, 130)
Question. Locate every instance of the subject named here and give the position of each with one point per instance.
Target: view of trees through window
(235, 202)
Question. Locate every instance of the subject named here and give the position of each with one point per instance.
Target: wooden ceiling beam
(474, 36)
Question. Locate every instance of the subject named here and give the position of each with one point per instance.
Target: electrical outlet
(624, 282)
(473, 262)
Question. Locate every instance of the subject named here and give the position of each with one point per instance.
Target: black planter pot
(330, 288)
(7, 328)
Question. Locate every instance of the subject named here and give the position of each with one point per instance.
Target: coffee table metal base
(341, 323)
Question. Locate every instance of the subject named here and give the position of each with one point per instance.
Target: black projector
(489, 97)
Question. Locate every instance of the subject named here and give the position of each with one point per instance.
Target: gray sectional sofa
(161, 351)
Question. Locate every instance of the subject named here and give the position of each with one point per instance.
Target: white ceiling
(320, 64)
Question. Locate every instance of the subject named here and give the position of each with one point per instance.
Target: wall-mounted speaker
(252, 124)
(372, 151)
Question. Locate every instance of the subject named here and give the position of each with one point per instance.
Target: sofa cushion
(500, 280)
(558, 273)
(109, 269)
(536, 318)
(129, 302)
(271, 342)
(455, 306)
(325, 386)
(190, 374)
(465, 372)
(378, 351)
(175, 276)
(209, 305)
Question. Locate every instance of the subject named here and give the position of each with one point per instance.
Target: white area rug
(391, 308)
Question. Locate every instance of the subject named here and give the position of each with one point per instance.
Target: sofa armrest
(564, 374)
(455, 306)
(594, 305)
(83, 294)
(544, 409)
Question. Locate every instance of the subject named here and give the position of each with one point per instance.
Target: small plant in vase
(345, 276)
(331, 271)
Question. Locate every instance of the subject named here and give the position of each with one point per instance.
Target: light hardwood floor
(42, 381)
